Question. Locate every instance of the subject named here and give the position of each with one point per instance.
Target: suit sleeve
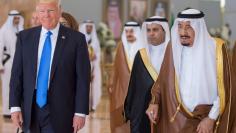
(83, 77)
(16, 82)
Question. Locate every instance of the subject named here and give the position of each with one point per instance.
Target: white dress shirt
(42, 39)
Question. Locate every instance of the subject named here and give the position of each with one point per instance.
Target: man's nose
(183, 32)
(46, 14)
(152, 33)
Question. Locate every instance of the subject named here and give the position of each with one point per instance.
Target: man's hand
(78, 123)
(206, 126)
(92, 58)
(109, 90)
(152, 112)
(17, 119)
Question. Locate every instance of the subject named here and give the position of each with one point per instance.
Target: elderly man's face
(49, 14)
(186, 33)
(16, 20)
(155, 34)
(89, 28)
(130, 35)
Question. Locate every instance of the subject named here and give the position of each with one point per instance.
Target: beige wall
(230, 17)
(24, 6)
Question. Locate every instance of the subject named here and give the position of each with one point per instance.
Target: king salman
(194, 94)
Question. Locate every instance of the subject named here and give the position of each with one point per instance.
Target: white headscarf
(8, 25)
(199, 60)
(156, 53)
(93, 35)
(8, 33)
(132, 49)
(96, 83)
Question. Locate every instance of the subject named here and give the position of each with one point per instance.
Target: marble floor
(97, 122)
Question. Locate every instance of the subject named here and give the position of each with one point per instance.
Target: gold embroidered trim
(220, 42)
(176, 112)
(177, 92)
(150, 69)
(217, 125)
(129, 62)
(220, 74)
(148, 64)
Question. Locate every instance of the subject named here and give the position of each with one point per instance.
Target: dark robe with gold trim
(143, 76)
(119, 87)
(172, 116)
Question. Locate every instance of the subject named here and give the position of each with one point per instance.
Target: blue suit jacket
(69, 77)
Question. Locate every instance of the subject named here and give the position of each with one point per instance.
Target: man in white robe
(8, 35)
(88, 28)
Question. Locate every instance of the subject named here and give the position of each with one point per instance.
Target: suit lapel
(58, 50)
(35, 40)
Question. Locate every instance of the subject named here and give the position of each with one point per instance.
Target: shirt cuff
(80, 115)
(15, 109)
(215, 110)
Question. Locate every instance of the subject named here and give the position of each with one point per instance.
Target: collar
(54, 31)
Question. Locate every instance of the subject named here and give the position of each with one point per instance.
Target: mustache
(184, 36)
(129, 35)
(151, 38)
(185, 44)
